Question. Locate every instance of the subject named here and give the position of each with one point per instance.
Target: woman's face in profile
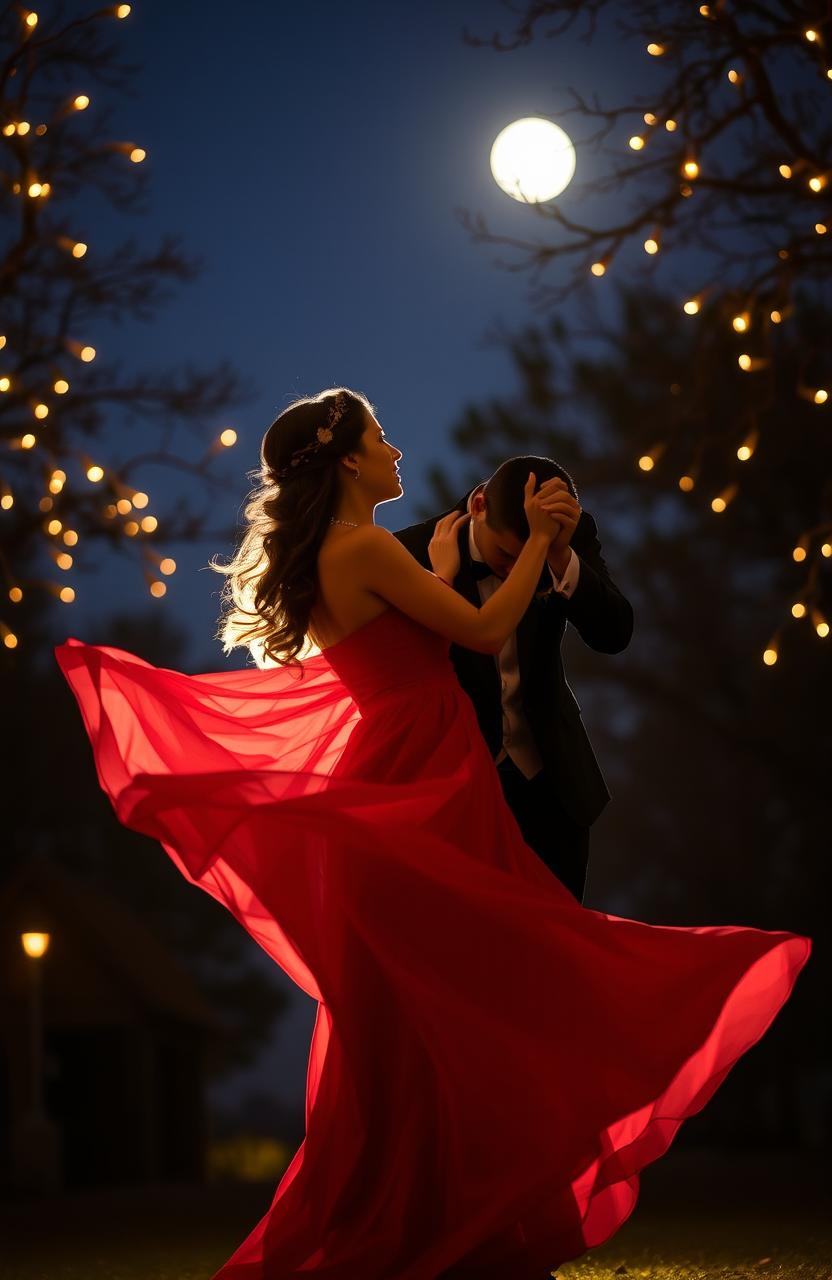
(377, 463)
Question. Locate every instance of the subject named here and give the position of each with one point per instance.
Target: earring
(356, 474)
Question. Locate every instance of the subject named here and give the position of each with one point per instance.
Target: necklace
(350, 523)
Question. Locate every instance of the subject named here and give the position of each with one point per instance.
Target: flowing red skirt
(492, 1064)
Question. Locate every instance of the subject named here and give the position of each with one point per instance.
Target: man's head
(497, 511)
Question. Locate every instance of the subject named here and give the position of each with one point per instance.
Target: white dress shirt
(518, 740)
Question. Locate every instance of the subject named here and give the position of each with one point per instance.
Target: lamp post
(36, 1139)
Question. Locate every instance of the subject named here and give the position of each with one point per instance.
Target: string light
(139, 500)
(826, 549)
(651, 245)
(821, 228)
(811, 35)
(820, 624)
(649, 118)
(15, 594)
(60, 387)
(686, 483)
(770, 655)
(28, 441)
(66, 595)
(800, 552)
(95, 473)
(721, 501)
(167, 566)
(636, 142)
(690, 169)
(691, 307)
(655, 50)
(149, 524)
(228, 437)
(785, 171)
(734, 76)
(818, 182)
(54, 527)
(9, 638)
(70, 538)
(598, 268)
(157, 588)
(798, 609)
(821, 396)
(124, 506)
(776, 317)
(670, 125)
(741, 322)
(122, 10)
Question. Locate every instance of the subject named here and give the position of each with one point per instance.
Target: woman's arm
(382, 566)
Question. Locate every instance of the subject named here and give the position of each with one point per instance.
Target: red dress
(492, 1064)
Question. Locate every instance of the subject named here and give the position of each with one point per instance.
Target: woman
(492, 1064)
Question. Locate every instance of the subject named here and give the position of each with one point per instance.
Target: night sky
(314, 155)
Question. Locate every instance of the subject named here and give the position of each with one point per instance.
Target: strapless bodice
(388, 654)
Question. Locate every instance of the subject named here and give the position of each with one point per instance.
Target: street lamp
(37, 1157)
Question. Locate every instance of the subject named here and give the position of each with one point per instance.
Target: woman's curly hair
(271, 583)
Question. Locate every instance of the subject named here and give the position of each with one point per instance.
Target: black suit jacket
(604, 618)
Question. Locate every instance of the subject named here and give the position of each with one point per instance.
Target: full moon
(532, 160)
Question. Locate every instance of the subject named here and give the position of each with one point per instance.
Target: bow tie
(480, 570)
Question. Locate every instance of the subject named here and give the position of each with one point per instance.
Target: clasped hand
(552, 498)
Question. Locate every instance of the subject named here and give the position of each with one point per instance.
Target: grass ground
(700, 1216)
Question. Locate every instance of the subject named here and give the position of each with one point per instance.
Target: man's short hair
(504, 492)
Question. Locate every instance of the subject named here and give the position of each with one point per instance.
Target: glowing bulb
(167, 566)
(57, 480)
(61, 387)
(686, 483)
(811, 35)
(149, 524)
(87, 354)
(799, 554)
(744, 452)
(35, 189)
(785, 171)
(691, 307)
(70, 538)
(655, 50)
(131, 528)
(79, 249)
(690, 169)
(122, 10)
(744, 361)
(651, 246)
(157, 589)
(31, 20)
(636, 142)
(124, 506)
(28, 441)
(41, 411)
(649, 118)
(821, 396)
(137, 155)
(670, 125)
(817, 183)
(10, 640)
(826, 549)
(54, 527)
(770, 657)
(63, 560)
(646, 462)
(7, 501)
(734, 76)
(718, 504)
(15, 595)
(822, 628)
(821, 228)
(798, 610)
(776, 317)
(95, 473)
(140, 500)
(740, 322)
(228, 437)
(598, 268)
(66, 595)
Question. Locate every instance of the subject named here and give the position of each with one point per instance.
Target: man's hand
(565, 512)
(443, 547)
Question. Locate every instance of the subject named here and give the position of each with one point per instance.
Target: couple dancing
(492, 1063)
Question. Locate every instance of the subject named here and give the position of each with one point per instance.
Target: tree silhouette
(74, 430)
(719, 170)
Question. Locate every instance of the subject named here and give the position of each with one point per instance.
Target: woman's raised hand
(443, 547)
(554, 509)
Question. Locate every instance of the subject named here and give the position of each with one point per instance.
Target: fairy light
(721, 501)
(649, 118)
(57, 480)
(646, 462)
(686, 483)
(41, 411)
(691, 307)
(140, 500)
(821, 396)
(124, 506)
(826, 549)
(66, 595)
(60, 387)
(651, 245)
(122, 10)
(95, 473)
(167, 566)
(598, 268)
(158, 588)
(734, 76)
(149, 524)
(228, 437)
(636, 143)
(798, 609)
(800, 552)
(70, 538)
(744, 361)
(655, 50)
(131, 528)
(6, 500)
(54, 527)
(9, 637)
(776, 317)
(63, 560)
(820, 624)
(770, 655)
(746, 449)
(5, 383)
(690, 169)
(818, 182)
(785, 170)
(28, 441)
(811, 35)
(81, 102)
(45, 503)
(670, 125)
(87, 354)
(741, 322)
(137, 154)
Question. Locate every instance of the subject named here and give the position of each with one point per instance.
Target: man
(527, 712)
